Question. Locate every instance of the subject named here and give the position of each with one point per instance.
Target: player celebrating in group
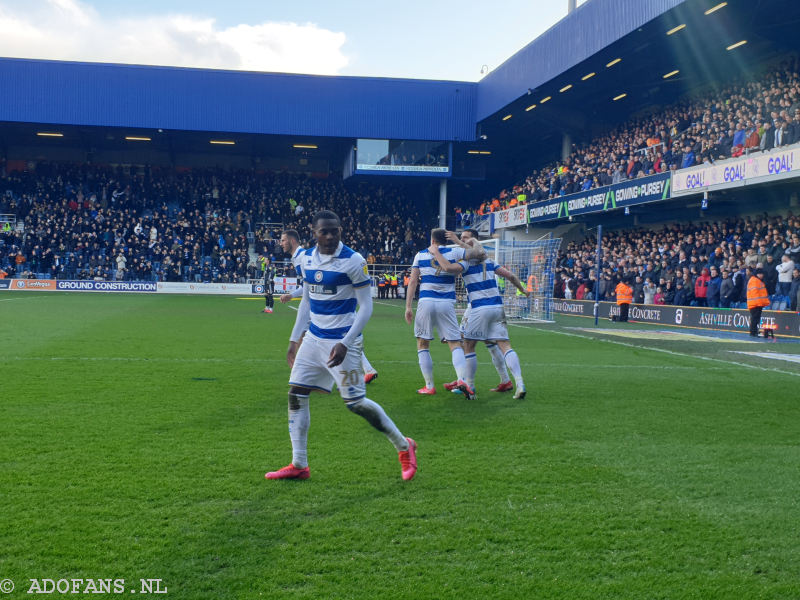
(486, 319)
(335, 283)
(436, 307)
(290, 244)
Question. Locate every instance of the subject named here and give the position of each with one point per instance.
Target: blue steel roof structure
(495, 115)
(39, 91)
(589, 29)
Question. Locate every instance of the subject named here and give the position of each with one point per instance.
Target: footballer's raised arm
(450, 267)
(503, 272)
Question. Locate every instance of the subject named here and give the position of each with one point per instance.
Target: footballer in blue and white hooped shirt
(290, 244)
(486, 319)
(336, 305)
(436, 307)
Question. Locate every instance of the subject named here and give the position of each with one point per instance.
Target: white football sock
(471, 360)
(376, 417)
(365, 364)
(499, 362)
(299, 421)
(426, 366)
(459, 363)
(512, 360)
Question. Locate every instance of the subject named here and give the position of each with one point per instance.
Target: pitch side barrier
(642, 190)
(694, 317)
(753, 169)
(142, 287)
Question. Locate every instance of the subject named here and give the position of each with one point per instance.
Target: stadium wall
(786, 323)
(113, 95)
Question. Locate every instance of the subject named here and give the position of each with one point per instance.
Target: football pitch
(135, 432)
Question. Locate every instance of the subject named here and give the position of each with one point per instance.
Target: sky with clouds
(434, 39)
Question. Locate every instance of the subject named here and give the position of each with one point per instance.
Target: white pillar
(571, 5)
(443, 203)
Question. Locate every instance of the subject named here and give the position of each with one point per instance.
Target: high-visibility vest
(624, 293)
(393, 281)
(406, 279)
(381, 282)
(756, 293)
(531, 282)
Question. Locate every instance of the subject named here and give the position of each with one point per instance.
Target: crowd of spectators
(151, 224)
(751, 116)
(707, 264)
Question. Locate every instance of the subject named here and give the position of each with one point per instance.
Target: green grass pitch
(135, 432)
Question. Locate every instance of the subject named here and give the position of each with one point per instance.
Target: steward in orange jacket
(757, 299)
(624, 298)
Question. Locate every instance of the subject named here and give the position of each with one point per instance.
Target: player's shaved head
(325, 215)
(438, 237)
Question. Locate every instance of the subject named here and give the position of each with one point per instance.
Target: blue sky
(437, 39)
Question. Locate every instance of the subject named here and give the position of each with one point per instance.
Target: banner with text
(743, 171)
(735, 320)
(179, 287)
(105, 286)
(33, 285)
(627, 193)
(283, 285)
(512, 217)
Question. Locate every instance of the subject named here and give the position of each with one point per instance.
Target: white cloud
(71, 30)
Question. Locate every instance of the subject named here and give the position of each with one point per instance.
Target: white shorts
(311, 369)
(485, 323)
(464, 319)
(441, 315)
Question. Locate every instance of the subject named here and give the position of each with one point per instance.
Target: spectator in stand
(770, 279)
(794, 290)
(767, 137)
(784, 269)
(725, 290)
(701, 288)
(649, 292)
(714, 288)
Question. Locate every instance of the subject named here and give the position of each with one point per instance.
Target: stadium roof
(616, 75)
(101, 104)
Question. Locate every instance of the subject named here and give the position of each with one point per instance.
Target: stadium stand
(686, 264)
(149, 224)
(751, 115)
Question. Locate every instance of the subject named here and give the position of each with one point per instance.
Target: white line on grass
(662, 350)
(403, 306)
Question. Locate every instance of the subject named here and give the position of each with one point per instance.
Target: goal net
(534, 263)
